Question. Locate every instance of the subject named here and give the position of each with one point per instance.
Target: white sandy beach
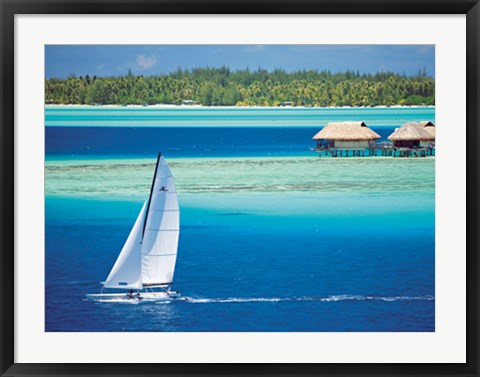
(169, 106)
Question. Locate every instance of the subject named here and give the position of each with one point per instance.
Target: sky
(114, 60)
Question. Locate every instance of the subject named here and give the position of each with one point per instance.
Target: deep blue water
(184, 141)
(255, 273)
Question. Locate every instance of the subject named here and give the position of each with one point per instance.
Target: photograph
(240, 187)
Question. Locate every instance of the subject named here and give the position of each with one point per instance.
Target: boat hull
(135, 297)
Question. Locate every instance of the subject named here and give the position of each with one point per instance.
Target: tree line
(225, 87)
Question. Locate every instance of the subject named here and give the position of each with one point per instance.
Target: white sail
(161, 229)
(127, 270)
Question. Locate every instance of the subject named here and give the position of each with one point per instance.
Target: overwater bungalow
(414, 139)
(345, 139)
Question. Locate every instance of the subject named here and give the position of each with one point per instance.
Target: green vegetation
(224, 87)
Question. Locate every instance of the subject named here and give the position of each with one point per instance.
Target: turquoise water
(288, 242)
(221, 117)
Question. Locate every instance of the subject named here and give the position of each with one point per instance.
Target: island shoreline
(196, 107)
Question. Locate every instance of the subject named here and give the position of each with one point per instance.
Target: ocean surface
(272, 237)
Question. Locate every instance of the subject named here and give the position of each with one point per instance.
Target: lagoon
(272, 237)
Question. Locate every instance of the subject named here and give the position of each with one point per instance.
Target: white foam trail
(234, 299)
(334, 298)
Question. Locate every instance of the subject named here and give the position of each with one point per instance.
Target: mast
(151, 192)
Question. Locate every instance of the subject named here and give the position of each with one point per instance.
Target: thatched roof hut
(346, 131)
(412, 135)
(412, 131)
(429, 126)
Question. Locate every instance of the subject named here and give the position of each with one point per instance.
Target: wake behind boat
(145, 266)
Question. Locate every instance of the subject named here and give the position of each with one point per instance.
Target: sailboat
(145, 267)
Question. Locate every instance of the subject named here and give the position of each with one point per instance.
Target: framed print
(234, 188)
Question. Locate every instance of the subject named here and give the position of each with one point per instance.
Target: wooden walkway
(375, 152)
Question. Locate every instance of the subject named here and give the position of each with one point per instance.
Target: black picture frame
(9, 8)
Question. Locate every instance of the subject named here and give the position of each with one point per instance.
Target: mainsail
(161, 229)
(150, 252)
